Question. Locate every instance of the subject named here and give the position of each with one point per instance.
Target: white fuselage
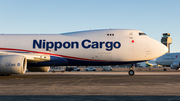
(82, 48)
(105, 45)
(37, 52)
(168, 59)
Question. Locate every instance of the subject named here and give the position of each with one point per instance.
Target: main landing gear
(165, 68)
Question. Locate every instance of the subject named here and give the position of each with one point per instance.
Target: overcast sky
(153, 17)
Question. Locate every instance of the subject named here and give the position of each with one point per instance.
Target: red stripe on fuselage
(50, 54)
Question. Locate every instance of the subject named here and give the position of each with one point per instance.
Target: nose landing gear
(165, 68)
(131, 72)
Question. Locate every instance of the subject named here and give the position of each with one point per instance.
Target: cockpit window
(142, 34)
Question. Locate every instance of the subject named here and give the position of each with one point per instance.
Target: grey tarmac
(91, 86)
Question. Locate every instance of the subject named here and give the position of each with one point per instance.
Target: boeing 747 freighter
(37, 52)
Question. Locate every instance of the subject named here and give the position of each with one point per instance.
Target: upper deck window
(110, 34)
(142, 34)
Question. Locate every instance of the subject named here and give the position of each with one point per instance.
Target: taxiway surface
(90, 86)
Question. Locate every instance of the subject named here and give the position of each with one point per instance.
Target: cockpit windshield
(142, 34)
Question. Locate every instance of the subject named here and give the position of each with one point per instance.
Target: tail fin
(148, 64)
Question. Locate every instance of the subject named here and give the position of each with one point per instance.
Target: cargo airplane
(169, 60)
(37, 52)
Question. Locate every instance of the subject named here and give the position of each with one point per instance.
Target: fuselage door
(147, 49)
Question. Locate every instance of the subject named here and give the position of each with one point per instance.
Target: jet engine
(175, 65)
(39, 69)
(13, 64)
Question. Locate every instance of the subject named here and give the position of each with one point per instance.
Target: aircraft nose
(157, 61)
(157, 48)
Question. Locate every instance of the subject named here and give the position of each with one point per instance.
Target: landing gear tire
(131, 72)
(165, 69)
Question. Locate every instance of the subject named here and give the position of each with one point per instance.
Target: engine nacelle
(39, 69)
(172, 67)
(13, 64)
(175, 65)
